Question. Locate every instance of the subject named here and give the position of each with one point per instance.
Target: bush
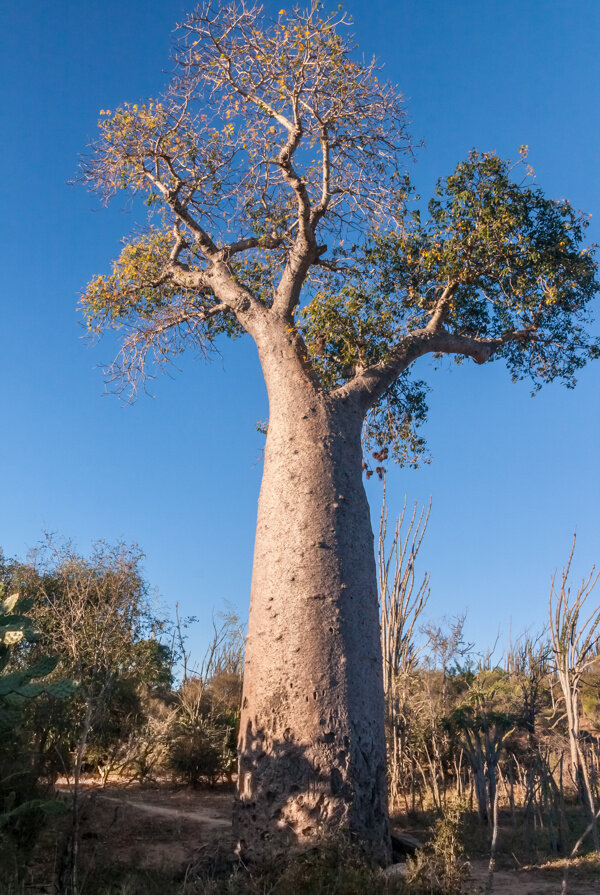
(199, 755)
(440, 869)
(203, 743)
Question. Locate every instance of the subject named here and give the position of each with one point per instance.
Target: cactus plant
(19, 683)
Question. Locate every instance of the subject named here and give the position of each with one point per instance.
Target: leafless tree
(402, 602)
(575, 639)
(527, 663)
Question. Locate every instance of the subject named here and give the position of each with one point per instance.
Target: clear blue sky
(511, 476)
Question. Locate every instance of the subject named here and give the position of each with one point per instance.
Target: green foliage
(512, 260)
(272, 166)
(136, 283)
(139, 288)
(22, 811)
(25, 681)
(15, 626)
(497, 258)
(95, 615)
(467, 721)
(199, 754)
(348, 329)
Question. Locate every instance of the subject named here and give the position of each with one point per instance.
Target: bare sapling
(402, 602)
(575, 640)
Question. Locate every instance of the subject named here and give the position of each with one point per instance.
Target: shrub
(440, 869)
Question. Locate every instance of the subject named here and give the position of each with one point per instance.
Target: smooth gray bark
(312, 746)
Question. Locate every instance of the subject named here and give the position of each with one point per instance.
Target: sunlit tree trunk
(312, 748)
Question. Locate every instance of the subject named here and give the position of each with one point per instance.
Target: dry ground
(159, 828)
(166, 830)
(546, 880)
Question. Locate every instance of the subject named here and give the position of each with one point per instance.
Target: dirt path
(529, 882)
(209, 816)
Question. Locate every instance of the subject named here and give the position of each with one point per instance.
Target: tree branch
(441, 307)
(371, 383)
(201, 237)
(321, 208)
(252, 242)
(162, 338)
(303, 253)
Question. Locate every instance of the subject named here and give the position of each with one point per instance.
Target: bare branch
(321, 208)
(574, 650)
(251, 242)
(159, 340)
(297, 73)
(441, 307)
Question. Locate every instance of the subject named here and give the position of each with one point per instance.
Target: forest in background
(496, 756)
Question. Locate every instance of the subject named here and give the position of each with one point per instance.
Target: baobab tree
(273, 168)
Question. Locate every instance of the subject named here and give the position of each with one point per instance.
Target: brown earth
(162, 828)
(546, 880)
(169, 829)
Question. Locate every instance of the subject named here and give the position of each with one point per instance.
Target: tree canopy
(273, 168)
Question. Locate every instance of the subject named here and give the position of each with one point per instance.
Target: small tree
(482, 727)
(527, 663)
(574, 648)
(402, 602)
(95, 615)
(272, 167)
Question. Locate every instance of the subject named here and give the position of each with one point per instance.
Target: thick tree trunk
(312, 745)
